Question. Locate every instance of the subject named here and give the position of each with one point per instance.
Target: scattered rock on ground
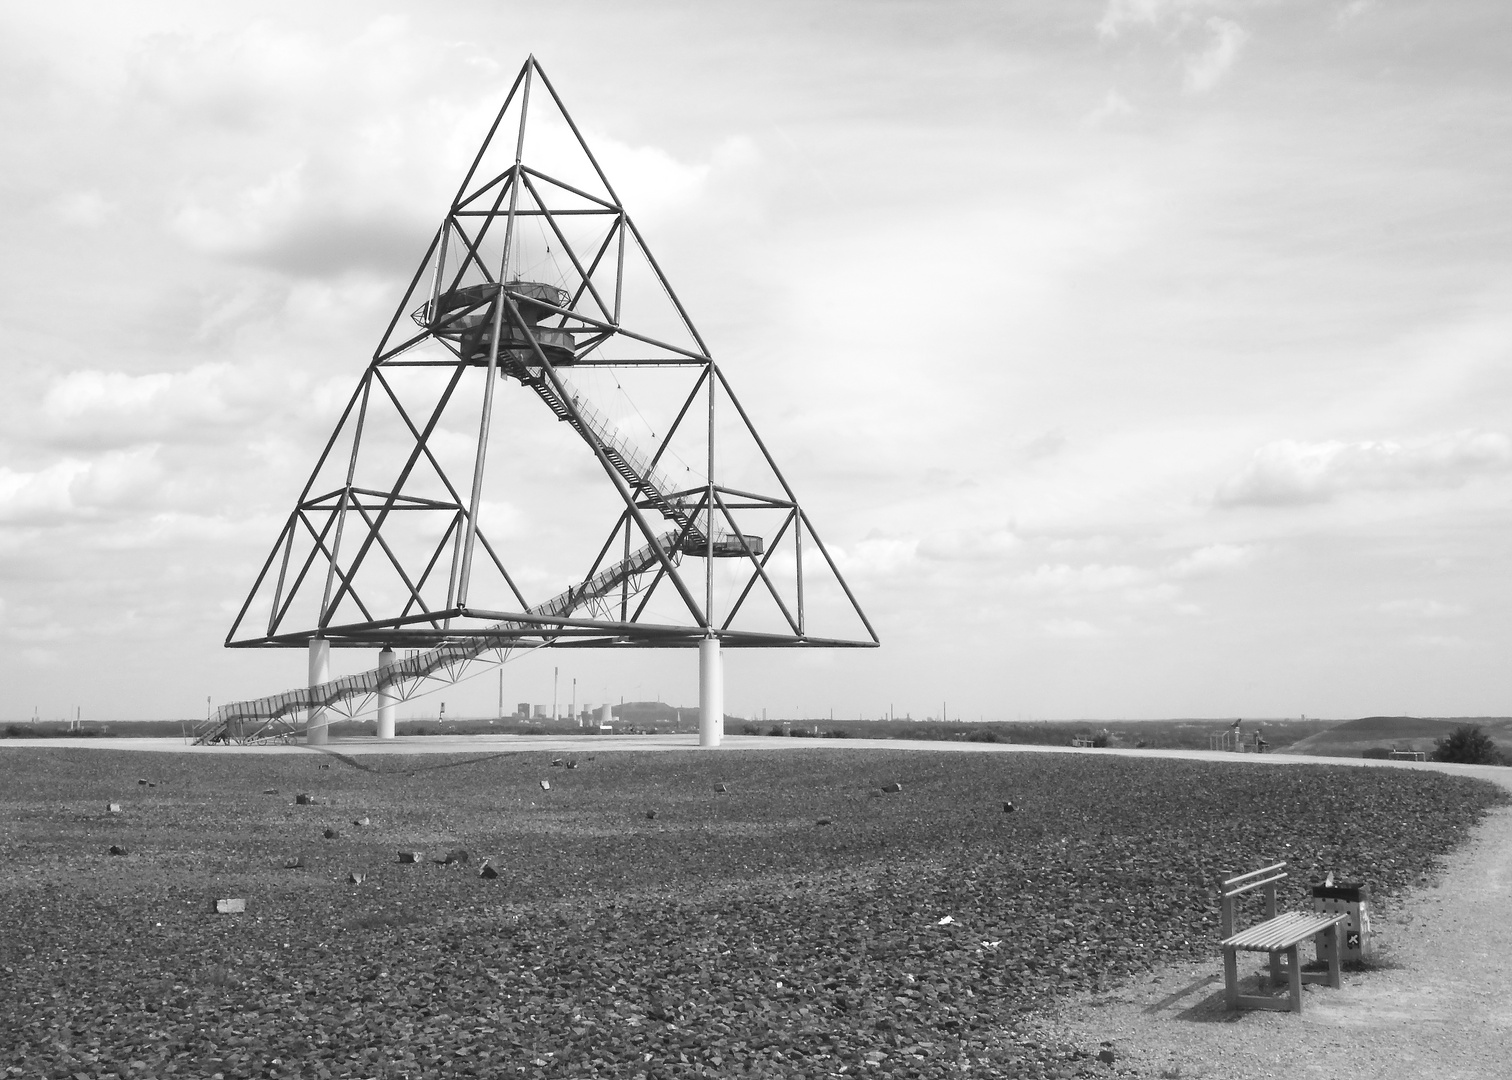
(230, 907)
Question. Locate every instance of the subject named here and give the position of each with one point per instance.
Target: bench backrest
(1239, 884)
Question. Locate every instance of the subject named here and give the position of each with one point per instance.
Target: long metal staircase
(350, 695)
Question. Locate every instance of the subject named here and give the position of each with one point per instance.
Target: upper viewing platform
(465, 316)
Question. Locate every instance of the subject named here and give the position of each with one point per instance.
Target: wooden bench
(1279, 933)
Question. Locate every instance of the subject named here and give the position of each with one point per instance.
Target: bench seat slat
(1240, 890)
(1283, 931)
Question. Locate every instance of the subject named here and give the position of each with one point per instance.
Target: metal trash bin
(1354, 937)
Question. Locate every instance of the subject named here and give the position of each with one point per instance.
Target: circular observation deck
(465, 316)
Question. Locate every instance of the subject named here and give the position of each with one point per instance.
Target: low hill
(1353, 737)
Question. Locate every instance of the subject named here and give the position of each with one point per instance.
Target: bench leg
(1230, 979)
(1275, 968)
(1294, 975)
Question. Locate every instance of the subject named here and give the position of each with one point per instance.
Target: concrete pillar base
(316, 729)
(710, 693)
(386, 698)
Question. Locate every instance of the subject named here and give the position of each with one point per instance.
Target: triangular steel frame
(530, 333)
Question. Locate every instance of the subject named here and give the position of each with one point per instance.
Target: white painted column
(710, 693)
(386, 697)
(316, 732)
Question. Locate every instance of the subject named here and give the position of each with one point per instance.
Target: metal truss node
(537, 283)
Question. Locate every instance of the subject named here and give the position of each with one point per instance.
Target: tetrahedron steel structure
(539, 288)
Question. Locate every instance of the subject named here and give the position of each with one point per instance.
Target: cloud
(280, 227)
(1288, 473)
(309, 218)
(312, 157)
(1070, 628)
(1095, 585)
(1047, 444)
(968, 545)
(1213, 559)
(118, 480)
(43, 495)
(876, 556)
(114, 481)
(1352, 11)
(328, 204)
(1121, 14)
(111, 408)
(1420, 609)
(1210, 43)
(85, 209)
(1112, 106)
(1206, 69)
(1063, 579)
(652, 183)
(1440, 641)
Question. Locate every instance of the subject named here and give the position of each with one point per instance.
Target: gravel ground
(1437, 1002)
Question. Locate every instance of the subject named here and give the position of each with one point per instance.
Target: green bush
(1467, 745)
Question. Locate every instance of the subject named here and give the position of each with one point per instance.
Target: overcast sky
(1135, 357)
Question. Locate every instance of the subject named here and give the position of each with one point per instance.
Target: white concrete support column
(386, 698)
(710, 693)
(316, 732)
